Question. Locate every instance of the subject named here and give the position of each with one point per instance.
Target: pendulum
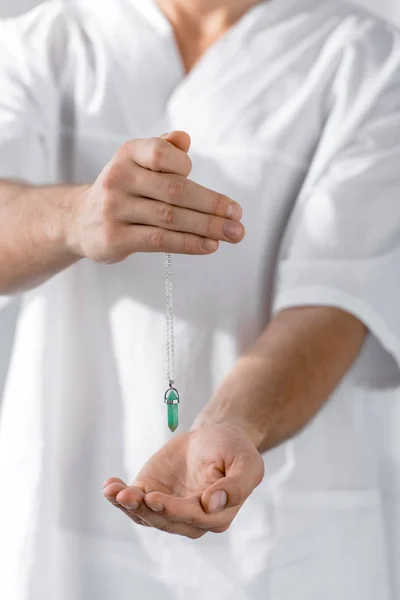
(171, 397)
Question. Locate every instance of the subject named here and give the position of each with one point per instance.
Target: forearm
(34, 242)
(282, 382)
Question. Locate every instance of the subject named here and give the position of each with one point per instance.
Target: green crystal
(173, 420)
(171, 395)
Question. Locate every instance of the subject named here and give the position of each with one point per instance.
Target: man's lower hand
(196, 483)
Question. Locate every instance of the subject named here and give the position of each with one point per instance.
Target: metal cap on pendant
(171, 396)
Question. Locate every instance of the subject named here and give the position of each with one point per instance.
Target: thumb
(233, 490)
(179, 139)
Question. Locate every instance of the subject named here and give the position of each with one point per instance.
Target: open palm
(196, 483)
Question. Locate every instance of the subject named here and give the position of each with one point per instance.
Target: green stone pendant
(173, 420)
(171, 398)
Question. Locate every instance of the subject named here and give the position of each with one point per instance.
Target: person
(259, 144)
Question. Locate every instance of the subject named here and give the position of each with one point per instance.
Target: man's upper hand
(143, 201)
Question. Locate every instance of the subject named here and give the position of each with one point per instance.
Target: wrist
(212, 415)
(75, 200)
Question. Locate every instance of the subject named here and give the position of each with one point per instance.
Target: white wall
(10, 8)
(388, 9)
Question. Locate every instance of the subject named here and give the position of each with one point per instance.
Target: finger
(157, 154)
(167, 526)
(130, 497)
(140, 238)
(132, 516)
(111, 480)
(154, 213)
(112, 490)
(162, 523)
(188, 511)
(128, 500)
(244, 475)
(180, 191)
(112, 487)
(180, 139)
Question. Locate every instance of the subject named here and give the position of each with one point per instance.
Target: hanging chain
(169, 319)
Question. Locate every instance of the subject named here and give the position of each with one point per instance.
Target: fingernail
(156, 506)
(217, 501)
(209, 245)
(131, 506)
(234, 212)
(233, 231)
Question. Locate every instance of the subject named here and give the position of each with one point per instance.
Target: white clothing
(294, 113)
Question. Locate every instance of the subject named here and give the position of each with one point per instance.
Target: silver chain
(169, 320)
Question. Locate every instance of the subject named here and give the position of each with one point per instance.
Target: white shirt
(294, 113)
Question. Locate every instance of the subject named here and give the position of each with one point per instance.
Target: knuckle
(157, 156)
(219, 203)
(177, 190)
(166, 214)
(125, 147)
(166, 528)
(111, 250)
(110, 202)
(168, 514)
(191, 245)
(192, 522)
(133, 176)
(189, 166)
(221, 528)
(157, 240)
(108, 237)
(112, 176)
(195, 535)
(239, 495)
(124, 151)
(210, 227)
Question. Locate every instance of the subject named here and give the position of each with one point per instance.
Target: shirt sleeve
(342, 244)
(30, 53)
(29, 96)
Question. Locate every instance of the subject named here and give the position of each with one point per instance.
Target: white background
(389, 9)
(9, 8)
